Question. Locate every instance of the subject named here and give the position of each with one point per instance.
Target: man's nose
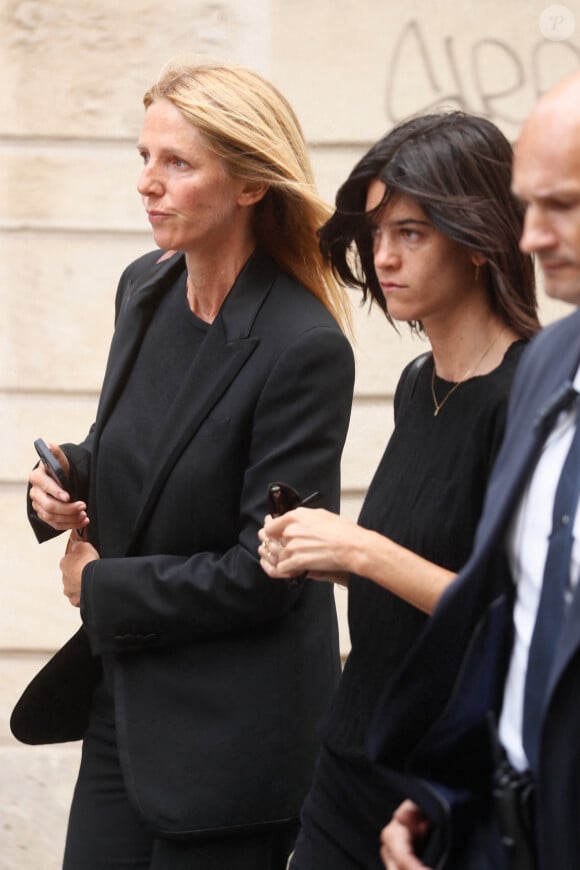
(538, 233)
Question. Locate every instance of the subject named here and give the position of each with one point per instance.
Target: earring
(476, 273)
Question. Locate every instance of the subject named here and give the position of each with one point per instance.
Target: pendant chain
(468, 373)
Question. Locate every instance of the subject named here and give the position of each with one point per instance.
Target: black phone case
(53, 467)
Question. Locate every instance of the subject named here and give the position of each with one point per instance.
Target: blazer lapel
(525, 441)
(567, 644)
(562, 364)
(224, 351)
(137, 308)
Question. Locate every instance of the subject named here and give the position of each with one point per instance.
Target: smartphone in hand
(53, 467)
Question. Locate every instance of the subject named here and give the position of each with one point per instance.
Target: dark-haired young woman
(425, 225)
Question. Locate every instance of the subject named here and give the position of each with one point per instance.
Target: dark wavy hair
(457, 167)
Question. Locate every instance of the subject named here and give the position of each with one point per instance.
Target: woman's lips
(157, 215)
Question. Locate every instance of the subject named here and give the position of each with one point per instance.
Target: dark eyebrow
(406, 221)
(374, 216)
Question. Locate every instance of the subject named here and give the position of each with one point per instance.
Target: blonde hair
(253, 129)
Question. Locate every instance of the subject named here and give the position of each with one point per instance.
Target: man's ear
(252, 192)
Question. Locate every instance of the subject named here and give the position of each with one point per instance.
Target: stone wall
(74, 72)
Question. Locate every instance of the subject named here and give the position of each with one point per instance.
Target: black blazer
(220, 674)
(431, 722)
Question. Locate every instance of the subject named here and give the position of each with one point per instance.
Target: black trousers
(105, 833)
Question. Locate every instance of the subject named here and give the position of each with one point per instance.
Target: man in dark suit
(503, 647)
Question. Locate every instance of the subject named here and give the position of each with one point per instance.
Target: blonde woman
(195, 682)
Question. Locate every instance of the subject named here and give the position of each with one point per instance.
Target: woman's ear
(478, 259)
(252, 192)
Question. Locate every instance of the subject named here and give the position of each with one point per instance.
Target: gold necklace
(468, 373)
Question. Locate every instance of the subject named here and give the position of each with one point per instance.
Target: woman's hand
(307, 539)
(78, 554)
(407, 825)
(51, 502)
(330, 547)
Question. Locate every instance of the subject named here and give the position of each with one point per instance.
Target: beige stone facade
(73, 74)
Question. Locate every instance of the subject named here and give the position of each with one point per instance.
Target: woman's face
(193, 204)
(423, 274)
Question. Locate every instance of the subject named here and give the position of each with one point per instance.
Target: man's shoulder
(554, 349)
(554, 334)
(550, 359)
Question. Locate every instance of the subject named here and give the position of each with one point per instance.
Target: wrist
(359, 557)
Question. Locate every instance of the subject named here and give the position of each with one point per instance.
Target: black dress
(426, 495)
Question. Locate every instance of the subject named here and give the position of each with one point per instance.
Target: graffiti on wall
(489, 76)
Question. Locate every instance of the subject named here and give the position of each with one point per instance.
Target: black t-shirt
(426, 495)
